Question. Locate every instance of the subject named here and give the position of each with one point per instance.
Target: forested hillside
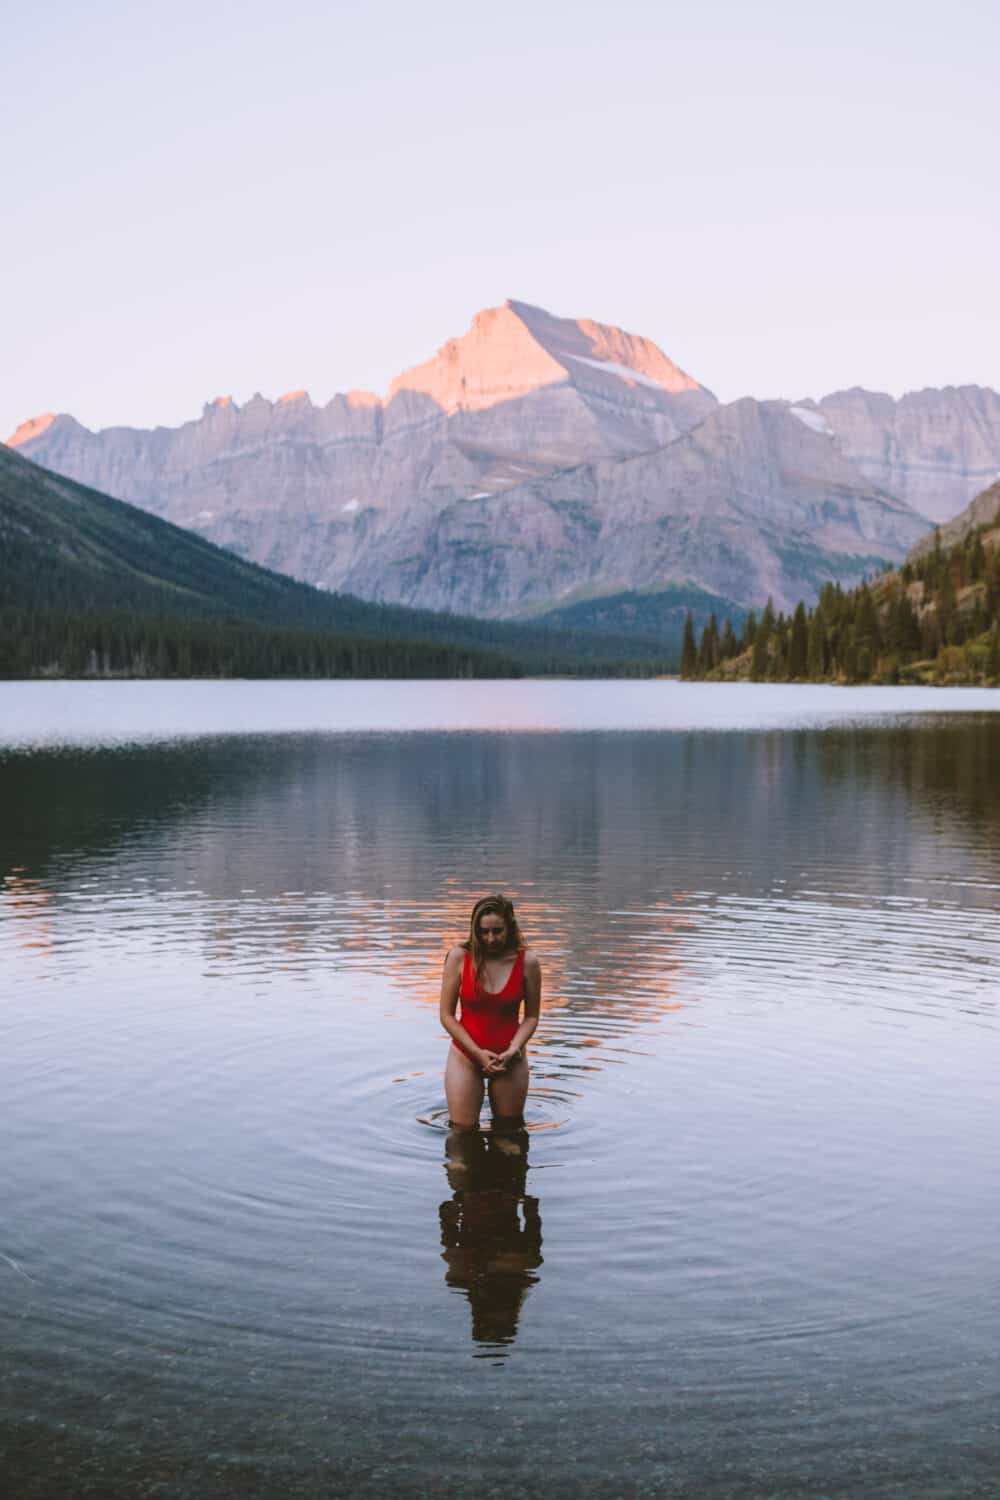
(935, 620)
(644, 616)
(92, 586)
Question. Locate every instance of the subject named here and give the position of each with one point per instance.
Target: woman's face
(492, 933)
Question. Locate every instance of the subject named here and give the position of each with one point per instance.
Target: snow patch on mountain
(814, 420)
(622, 371)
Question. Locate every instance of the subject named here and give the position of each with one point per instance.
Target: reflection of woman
(491, 1231)
(491, 973)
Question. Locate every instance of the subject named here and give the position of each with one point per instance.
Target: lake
(747, 1245)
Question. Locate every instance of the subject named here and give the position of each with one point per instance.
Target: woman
(491, 973)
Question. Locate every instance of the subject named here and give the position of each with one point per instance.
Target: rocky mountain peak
(497, 360)
(219, 404)
(34, 427)
(602, 348)
(513, 350)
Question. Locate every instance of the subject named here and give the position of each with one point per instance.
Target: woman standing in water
(491, 973)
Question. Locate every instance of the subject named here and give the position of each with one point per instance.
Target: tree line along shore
(936, 620)
(51, 643)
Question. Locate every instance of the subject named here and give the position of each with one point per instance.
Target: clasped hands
(495, 1063)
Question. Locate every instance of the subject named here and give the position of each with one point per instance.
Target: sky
(218, 200)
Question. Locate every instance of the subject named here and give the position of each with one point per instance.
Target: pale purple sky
(204, 200)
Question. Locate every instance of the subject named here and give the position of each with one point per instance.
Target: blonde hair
(497, 906)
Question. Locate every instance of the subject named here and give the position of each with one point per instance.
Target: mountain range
(536, 463)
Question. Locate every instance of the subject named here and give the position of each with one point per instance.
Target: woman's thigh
(509, 1090)
(463, 1087)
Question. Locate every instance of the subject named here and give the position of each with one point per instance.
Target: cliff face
(749, 503)
(935, 449)
(532, 459)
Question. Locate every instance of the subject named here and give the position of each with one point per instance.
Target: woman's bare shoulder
(454, 957)
(531, 960)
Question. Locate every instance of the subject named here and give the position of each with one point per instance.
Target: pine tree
(759, 655)
(910, 631)
(947, 612)
(689, 651)
(992, 580)
(848, 657)
(930, 633)
(993, 657)
(816, 647)
(979, 622)
(704, 662)
(777, 667)
(728, 644)
(866, 631)
(798, 646)
(708, 651)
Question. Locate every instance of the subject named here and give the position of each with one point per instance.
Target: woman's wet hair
(491, 906)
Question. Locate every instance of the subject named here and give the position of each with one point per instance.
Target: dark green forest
(935, 620)
(37, 643)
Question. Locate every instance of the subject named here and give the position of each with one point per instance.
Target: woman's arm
(451, 983)
(532, 1007)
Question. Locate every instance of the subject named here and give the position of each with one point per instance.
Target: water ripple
(760, 1161)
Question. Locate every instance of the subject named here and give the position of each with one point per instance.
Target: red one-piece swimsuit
(490, 1019)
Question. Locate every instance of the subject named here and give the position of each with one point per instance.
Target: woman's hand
(491, 1062)
(506, 1058)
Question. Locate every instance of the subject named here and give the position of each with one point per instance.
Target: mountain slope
(984, 510)
(652, 615)
(69, 549)
(750, 503)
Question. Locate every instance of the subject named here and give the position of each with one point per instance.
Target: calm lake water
(747, 1246)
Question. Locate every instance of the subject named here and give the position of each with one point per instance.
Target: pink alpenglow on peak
(33, 428)
(513, 350)
(223, 406)
(290, 396)
(497, 360)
